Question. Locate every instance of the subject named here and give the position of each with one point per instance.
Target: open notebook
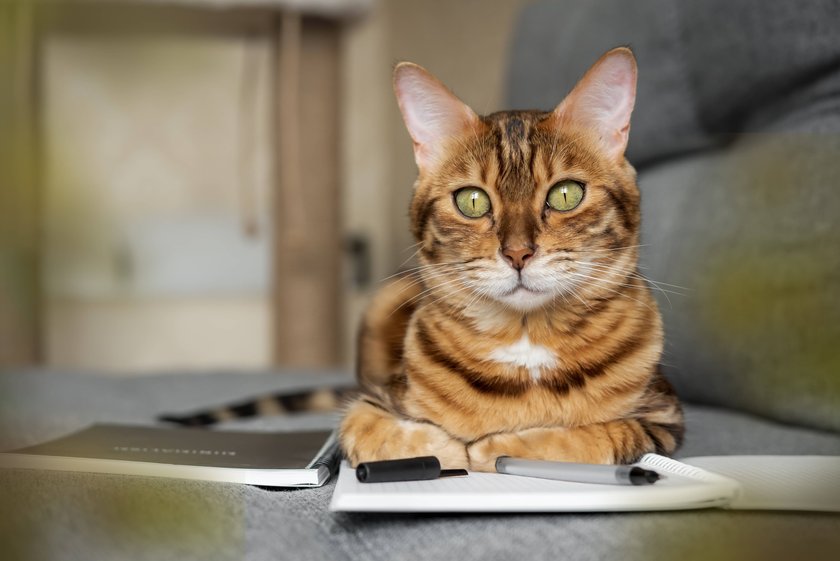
(738, 482)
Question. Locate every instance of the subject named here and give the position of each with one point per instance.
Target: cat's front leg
(370, 433)
(614, 442)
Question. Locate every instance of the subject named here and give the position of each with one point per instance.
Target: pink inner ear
(603, 100)
(432, 113)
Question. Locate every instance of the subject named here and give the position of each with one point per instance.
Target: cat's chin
(526, 299)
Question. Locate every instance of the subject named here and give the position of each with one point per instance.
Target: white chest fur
(525, 354)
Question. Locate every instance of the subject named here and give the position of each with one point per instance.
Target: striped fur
(312, 400)
(469, 357)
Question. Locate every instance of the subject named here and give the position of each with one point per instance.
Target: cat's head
(524, 208)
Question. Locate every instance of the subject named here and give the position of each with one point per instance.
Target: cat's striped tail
(306, 401)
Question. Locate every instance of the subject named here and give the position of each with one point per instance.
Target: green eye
(472, 202)
(565, 195)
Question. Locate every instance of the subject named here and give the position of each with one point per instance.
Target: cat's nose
(518, 255)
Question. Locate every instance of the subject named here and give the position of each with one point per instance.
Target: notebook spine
(329, 455)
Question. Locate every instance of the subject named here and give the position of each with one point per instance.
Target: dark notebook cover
(263, 458)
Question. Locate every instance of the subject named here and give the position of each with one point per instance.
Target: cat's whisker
(656, 285)
(603, 280)
(571, 290)
(410, 257)
(607, 266)
(472, 298)
(606, 284)
(428, 291)
(422, 267)
(464, 306)
(625, 285)
(425, 278)
(596, 282)
(576, 295)
(449, 294)
(615, 248)
(632, 273)
(479, 294)
(419, 280)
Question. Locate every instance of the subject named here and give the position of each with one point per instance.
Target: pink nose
(517, 256)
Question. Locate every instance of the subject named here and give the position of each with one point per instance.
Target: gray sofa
(735, 137)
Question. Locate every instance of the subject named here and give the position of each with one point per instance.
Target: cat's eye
(472, 202)
(565, 195)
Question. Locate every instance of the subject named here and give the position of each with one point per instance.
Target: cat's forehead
(514, 151)
(515, 127)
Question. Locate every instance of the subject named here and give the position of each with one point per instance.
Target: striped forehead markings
(514, 131)
(514, 155)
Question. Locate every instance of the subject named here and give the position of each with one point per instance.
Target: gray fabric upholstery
(752, 232)
(707, 69)
(67, 516)
(555, 42)
(751, 62)
(735, 135)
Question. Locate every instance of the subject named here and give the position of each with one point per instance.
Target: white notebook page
(492, 492)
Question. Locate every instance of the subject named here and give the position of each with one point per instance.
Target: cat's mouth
(524, 297)
(522, 289)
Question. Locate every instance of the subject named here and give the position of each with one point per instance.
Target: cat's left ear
(603, 100)
(433, 115)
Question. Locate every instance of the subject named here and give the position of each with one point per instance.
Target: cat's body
(526, 330)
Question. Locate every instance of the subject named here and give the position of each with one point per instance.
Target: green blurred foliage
(121, 516)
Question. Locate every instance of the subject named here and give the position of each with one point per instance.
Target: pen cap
(407, 469)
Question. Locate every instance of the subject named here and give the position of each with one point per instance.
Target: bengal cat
(527, 329)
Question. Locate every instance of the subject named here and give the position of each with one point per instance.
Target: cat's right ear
(432, 114)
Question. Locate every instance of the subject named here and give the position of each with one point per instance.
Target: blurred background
(213, 185)
(218, 186)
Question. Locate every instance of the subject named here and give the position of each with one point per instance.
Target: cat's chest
(524, 353)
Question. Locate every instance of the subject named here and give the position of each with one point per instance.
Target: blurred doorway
(176, 228)
(157, 176)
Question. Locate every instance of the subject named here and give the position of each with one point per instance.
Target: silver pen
(581, 473)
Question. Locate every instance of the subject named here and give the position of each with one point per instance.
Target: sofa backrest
(736, 137)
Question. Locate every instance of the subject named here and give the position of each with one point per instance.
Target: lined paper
(492, 492)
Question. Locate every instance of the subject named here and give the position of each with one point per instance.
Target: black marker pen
(406, 469)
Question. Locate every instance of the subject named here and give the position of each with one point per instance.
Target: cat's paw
(482, 453)
(452, 453)
(371, 434)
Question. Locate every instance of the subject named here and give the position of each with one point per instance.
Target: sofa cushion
(752, 233)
